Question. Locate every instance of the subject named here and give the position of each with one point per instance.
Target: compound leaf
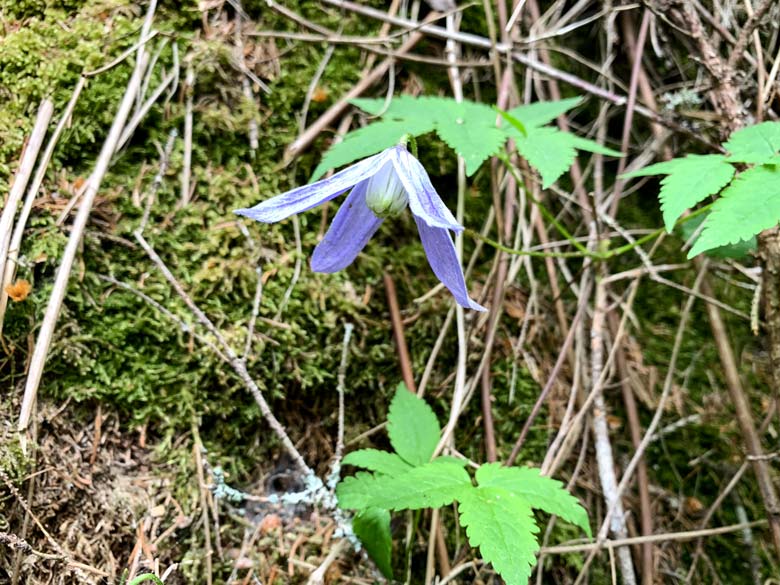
(372, 527)
(749, 205)
(379, 461)
(540, 492)
(355, 492)
(588, 145)
(688, 181)
(754, 144)
(540, 113)
(502, 525)
(428, 486)
(412, 427)
(369, 140)
(548, 150)
(469, 128)
(738, 251)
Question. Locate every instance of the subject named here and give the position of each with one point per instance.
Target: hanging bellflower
(382, 186)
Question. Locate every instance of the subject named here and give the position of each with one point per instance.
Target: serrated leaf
(540, 113)
(470, 130)
(688, 181)
(372, 527)
(549, 151)
(403, 106)
(369, 140)
(370, 106)
(512, 121)
(754, 144)
(502, 525)
(379, 461)
(588, 145)
(428, 486)
(412, 426)
(737, 251)
(543, 493)
(749, 205)
(355, 492)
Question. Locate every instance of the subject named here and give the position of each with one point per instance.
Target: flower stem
(597, 256)
(411, 141)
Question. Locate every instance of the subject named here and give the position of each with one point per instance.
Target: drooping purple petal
(424, 201)
(350, 231)
(443, 259)
(304, 198)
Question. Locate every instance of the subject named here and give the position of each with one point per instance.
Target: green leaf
(737, 251)
(369, 140)
(412, 427)
(502, 525)
(540, 492)
(754, 144)
(403, 106)
(370, 106)
(514, 122)
(452, 460)
(470, 130)
(379, 461)
(549, 151)
(588, 145)
(355, 492)
(540, 113)
(372, 527)
(749, 205)
(688, 181)
(429, 486)
(467, 127)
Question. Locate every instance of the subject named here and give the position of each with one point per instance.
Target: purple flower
(382, 186)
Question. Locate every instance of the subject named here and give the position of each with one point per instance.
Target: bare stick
(238, 365)
(24, 214)
(23, 173)
(202, 493)
(317, 577)
(562, 356)
(305, 139)
(340, 386)
(669, 537)
(158, 178)
(738, 53)
(745, 418)
(186, 171)
(398, 333)
(459, 391)
(254, 143)
(128, 130)
(250, 329)
(603, 447)
(46, 332)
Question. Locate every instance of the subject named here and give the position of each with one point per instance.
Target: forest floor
(146, 452)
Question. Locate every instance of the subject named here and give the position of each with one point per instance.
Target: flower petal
(308, 196)
(424, 201)
(444, 261)
(350, 231)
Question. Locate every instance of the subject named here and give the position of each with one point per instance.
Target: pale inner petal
(385, 194)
